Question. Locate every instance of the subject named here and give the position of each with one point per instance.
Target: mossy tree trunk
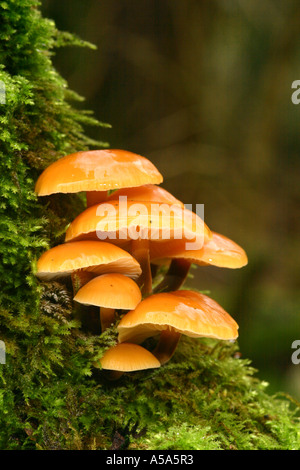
(51, 397)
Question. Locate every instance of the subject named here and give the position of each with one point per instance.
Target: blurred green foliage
(203, 88)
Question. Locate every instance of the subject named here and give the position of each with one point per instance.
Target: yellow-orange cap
(218, 251)
(96, 170)
(111, 290)
(93, 256)
(119, 222)
(195, 316)
(147, 192)
(127, 357)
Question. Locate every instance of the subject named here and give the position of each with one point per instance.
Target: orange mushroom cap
(217, 251)
(127, 357)
(111, 290)
(153, 221)
(147, 192)
(94, 256)
(96, 170)
(194, 315)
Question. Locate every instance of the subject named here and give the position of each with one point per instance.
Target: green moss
(207, 397)
(51, 395)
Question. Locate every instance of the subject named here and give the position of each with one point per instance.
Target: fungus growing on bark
(142, 222)
(110, 292)
(96, 172)
(134, 225)
(169, 315)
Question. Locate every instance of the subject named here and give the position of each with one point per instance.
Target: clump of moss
(223, 405)
(51, 396)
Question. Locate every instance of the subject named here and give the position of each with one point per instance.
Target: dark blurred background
(203, 89)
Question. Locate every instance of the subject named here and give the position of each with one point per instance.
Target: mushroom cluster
(112, 250)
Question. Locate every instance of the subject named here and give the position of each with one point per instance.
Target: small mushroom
(85, 259)
(96, 172)
(110, 292)
(135, 226)
(217, 251)
(170, 315)
(127, 357)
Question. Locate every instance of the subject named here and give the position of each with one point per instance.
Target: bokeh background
(203, 89)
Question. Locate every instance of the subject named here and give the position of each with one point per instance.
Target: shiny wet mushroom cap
(217, 251)
(110, 292)
(96, 172)
(119, 223)
(128, 357)
(172, 314)
(94, 257)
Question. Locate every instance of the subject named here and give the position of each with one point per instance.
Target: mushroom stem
(107, 317)
(79, 279)
(95, 197)
(175, 276)
(113, 374)
(154, 269)
(140, 251)
(166, 345)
